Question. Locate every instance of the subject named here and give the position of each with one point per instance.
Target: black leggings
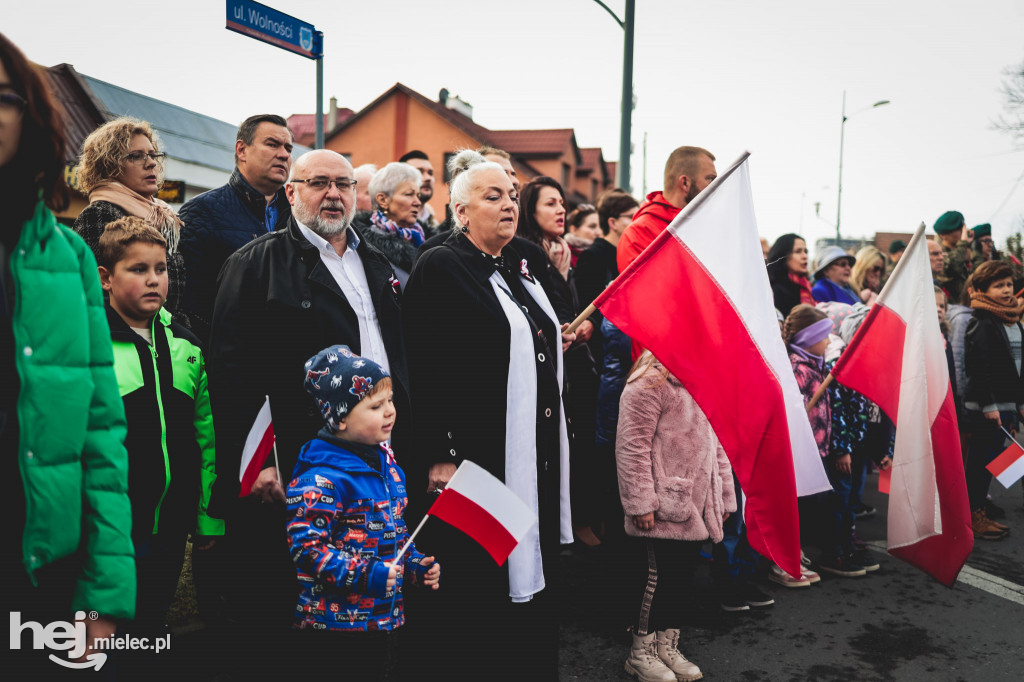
(667, 583)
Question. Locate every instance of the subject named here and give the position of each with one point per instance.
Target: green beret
(950, 221)
(983, 230)
(897, 246)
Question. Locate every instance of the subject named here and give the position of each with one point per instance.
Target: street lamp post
(842, 131)
(625, 143)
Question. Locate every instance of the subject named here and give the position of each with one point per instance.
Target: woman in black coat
(787, 272)
(485, 360)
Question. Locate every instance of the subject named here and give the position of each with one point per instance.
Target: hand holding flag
(1008, 467)
(483, 508)
(258, 444)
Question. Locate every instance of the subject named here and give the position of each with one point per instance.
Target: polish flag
(483, 508)
(897, 359)
(258, 445)
(1008, 468)
(699, 299)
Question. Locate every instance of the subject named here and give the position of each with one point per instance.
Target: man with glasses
(250, 205)
(281, 299)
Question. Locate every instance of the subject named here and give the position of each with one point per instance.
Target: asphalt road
(893, 624)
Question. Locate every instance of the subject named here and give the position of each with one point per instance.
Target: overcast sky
(728, 75)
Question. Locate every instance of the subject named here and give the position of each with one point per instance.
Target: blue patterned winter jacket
(345, 504)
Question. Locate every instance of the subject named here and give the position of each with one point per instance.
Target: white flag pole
(277, 464)
(412, 537)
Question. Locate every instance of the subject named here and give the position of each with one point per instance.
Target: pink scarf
(154, 211)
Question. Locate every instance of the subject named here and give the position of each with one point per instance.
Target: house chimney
(332, 115)
(442, 96)
(459, 105)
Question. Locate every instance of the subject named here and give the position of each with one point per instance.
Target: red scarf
(805, 287)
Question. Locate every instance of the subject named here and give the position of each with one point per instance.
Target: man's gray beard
(324, 228)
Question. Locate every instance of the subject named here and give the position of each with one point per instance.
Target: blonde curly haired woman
(121, 170)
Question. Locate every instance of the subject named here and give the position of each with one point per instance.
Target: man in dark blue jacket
(251, 204)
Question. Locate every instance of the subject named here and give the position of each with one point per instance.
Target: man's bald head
(327, 209)
(320, 158)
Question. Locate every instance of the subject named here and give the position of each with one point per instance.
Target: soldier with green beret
(956, 251)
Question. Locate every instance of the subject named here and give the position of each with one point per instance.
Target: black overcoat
(277, 306)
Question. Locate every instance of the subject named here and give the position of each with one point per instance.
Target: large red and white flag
(485, 509)
(258, 444)
(699, 299)
(897, 359)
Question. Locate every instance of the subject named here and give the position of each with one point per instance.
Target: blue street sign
(277, 28)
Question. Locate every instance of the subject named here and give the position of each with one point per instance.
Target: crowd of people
(140, 345)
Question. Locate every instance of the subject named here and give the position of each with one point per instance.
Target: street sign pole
(282, 30)
(318, 41)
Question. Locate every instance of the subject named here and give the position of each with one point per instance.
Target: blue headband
(808, 336)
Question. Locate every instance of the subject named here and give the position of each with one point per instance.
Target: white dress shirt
(350, 275)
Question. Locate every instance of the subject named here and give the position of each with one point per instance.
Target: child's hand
(993, 416)
(885, 464)
(392, 577)
(644, 521)
(432, 578)
(843, 464)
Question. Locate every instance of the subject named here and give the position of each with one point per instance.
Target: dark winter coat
(278, 305)
(595, 269)
(218, 223)
(458, 339)
(992, 376)
(535, 258)
(785, 292)
(90, 224)
(401, 253)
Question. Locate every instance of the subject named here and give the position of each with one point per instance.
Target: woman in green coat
(68, 523)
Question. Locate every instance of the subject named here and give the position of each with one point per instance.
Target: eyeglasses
(987, 241)
(12, 102)
(628, 215)
(878, 268)
(319, 184)
(138, 157)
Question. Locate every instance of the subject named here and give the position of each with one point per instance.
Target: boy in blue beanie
(345, 506)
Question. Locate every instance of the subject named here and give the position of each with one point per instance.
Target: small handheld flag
(1008, 467)
(258, 445)
(483, 508)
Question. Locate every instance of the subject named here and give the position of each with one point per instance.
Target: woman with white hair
(390, 226)
(485, 360)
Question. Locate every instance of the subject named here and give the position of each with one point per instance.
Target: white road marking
(981, 580)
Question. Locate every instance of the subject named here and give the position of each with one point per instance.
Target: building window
(565, 177)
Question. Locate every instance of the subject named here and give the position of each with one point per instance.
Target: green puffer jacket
(71, 455)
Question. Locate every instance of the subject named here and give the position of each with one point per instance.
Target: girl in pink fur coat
(677, 488)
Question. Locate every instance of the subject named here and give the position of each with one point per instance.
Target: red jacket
(650, 220)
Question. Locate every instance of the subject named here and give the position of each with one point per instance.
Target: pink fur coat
(670, 461)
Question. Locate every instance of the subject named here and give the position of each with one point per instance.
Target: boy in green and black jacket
(161, 375)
